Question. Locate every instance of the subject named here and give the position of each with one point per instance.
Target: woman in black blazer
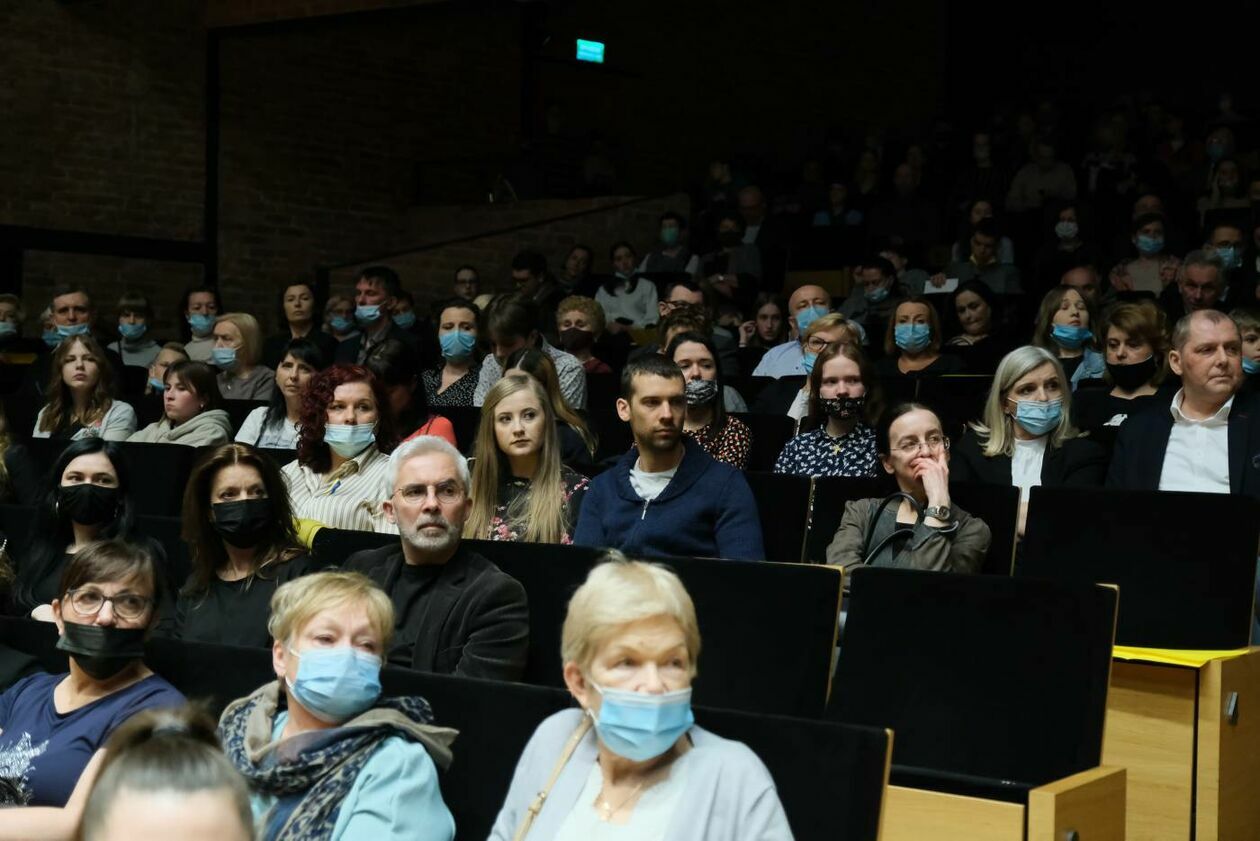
(1026, 438)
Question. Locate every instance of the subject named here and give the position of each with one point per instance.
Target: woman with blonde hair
(1026, 438)
(520, 489)
(237, 354)
(577, 441)
(80, 393)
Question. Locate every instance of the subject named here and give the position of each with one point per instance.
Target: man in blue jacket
(667, 496)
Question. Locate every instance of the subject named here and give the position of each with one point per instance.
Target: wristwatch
(939, 512)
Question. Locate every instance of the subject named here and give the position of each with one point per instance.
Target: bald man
(806, 304)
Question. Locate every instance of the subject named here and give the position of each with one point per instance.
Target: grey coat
(730, 795)
(961, 547)
(212, 427)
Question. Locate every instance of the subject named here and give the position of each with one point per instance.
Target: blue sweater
(706, 511)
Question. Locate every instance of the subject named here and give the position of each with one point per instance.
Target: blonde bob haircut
(997, 433)
(251, 335)
(296, 603)
(620, 591)
(830, 322)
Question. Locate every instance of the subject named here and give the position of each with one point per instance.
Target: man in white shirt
(512, 325)
(806, 304)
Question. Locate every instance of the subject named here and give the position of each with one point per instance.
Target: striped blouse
(349, 497)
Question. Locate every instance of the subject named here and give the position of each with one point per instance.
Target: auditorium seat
(464, 420)
(827, 508)
(783, 506)
(238, 411)
(769, 434)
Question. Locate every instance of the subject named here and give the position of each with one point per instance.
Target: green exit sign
(590, 51)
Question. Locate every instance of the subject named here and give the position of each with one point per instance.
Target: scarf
(316, 770)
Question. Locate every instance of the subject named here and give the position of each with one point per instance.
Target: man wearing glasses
(456, 612)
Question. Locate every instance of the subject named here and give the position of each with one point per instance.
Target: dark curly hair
(312, 451)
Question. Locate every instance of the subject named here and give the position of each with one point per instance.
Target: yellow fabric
(1193, 658)
(306, 530)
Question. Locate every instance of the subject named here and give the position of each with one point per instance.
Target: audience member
(238, 356)
(1200, 286)
(982, 263)
(135, 345)
(667, 496)
(345, 433)
(1063, 328)
(577, 440)
(672, 254)
(455, 612)
(787, 396)
(1153, 268)
(275, 426)
(768, 233)
(766, 329)
(512, 324)
(734, 269)
(1248, 322)
(74, 314)
(806, 304)
(874, 299)
(576, 277)
(925, 530)
(630, 646)
(912, 343)
(467, 283)
(375, 293)
(201, 306)
(905, 213)
(724, 438)
(81, 396)
(628, 299)
(170, 353)
(192, 410)
(912, 280)
(298, 311)
(452, 382)
(331, 631)
(12, 342)
(579, 324)
(982, 176)
(397, 369)
(339, 319)
(1063, 248)
(1135, 344)
(1085, 280)
(241, 539)
(977, 211)
(978, 339)
(532, 281)
(18, 481)
(1044, 178)
(844, 401)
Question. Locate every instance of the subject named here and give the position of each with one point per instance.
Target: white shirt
(347, 498)
(650, 485)
(281, 436)
(800, 406)
(1026, 465)
(571, 373)
(781, 361)
(117, 424)
(639, 307)
(648, 821)
(1197, 458)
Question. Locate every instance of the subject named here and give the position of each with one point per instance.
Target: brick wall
(236, 12)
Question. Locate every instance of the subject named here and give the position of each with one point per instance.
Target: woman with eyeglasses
(53, 728)
(930, 533)
(845, 402)
(1026, 438)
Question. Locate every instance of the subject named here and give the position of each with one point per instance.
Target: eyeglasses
(818, 344)
(129, 606)
(934, 443)
(447, 493)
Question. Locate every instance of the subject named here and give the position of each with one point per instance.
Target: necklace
(606, 809)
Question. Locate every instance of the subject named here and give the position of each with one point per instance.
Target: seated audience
(201, 306)
(979, 339)
(12, 343)
(725, 438)
(733, 271)
(351, 757)
(192, 409)
(912, 343)
(521, 491)
(1063, 328)
(1085, 280)
(1206, 439)
(983, 264)
(1135, 344)
(396, 366)
(81, 396)
(375, 294)
(344, 435)
(785, 360)
(467, 284)
(628, 300)
(339, 319)
(631, 758)
(512, 324)
(74, 314)
(452, 382)
(240, 535)
(535, 284)
(667, 496)
(929, 533)
(687, 294)
(1067, 243)
(579, 324)
(671, 255)
(1044, 178)
(577, 440)
(875, 297)
(164, 776)
(298, 310)
(238, 356)
(977, 211)
(843, 403)
(1200, 286)
(1247, 320)
(786, 397)
(54, 727)
(766, 329)
(170, 353)
(1152, 269)
(136, 345)
(456, 612)
(275, 426)
(1026, 438)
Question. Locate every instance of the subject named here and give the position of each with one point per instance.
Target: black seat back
(464, 420)
(238, 411)
(769, 434)
(998, 506)
(827, 508)
(783, 507)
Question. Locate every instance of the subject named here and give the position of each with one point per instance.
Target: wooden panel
(1150, 733)
(1091, 804)
(1229, 754)
(913, 814)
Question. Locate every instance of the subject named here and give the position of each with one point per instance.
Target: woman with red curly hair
(341, 475)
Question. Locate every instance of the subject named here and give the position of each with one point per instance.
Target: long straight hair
(540, 366)
(542, 509)
(59, 410)
(997, 431)
(303, 350)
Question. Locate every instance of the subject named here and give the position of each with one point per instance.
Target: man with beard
(667, 497)
(456, 613)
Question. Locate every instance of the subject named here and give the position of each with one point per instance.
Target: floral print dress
(508, 522)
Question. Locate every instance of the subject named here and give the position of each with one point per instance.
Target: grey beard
(420, 541)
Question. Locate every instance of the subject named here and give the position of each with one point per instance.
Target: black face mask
(243, 522)
(1133, 376)
(842, 407)
(100, 650)
(88, 505)
(576, 339)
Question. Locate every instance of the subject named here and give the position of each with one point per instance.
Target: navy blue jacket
(706, 511)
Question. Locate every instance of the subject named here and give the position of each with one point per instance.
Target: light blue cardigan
(1091, 367)
(730, 795)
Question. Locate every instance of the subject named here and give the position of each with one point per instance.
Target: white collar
(1219, 418)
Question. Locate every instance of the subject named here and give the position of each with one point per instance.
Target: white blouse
(639, 307)
(1026, 465)
(118, 423)
(349, 497)
(281, 436)
(649, 820)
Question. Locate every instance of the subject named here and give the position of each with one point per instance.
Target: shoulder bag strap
(534, 808)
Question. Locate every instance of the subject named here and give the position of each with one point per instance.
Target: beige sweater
(212, 427)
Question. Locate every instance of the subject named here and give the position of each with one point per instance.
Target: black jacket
(1138, 458)
(348, 351)
(475, 616)
(1080, 462)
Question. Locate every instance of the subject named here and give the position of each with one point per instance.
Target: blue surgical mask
(348, 440)
(405, 320)
(1149, 246)
(341, 324)
(639, 726)
(1229, 256)
(367, 313)
(7, 329)
(457, 344)
(51, 338)
(336, 684)
(807, 362)
(157, 384)
(131, 331)
(808, 316)
(1039, 417)
(201, 323)
(224, 358)
(876, 295)
(1068, 337)
(912, 337)
(669, 236)
(65, 331)
(1250, 366)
